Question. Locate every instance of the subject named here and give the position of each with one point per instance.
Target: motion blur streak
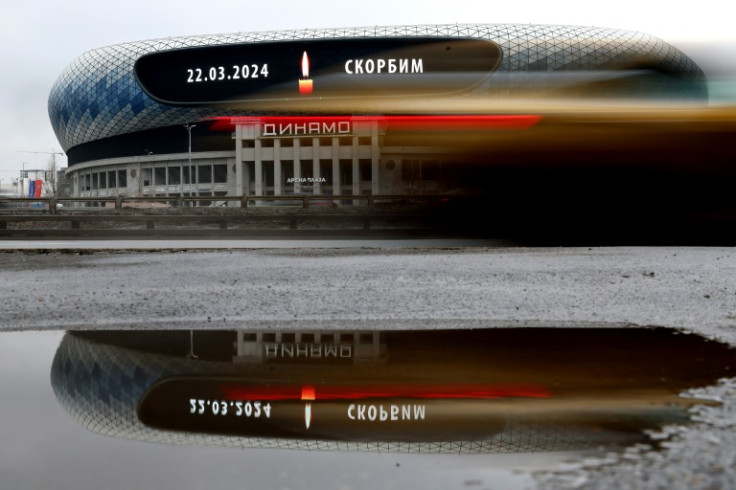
(349, 392)
(416, 122)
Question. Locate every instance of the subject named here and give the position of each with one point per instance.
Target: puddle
(382, 408)
(497, 390)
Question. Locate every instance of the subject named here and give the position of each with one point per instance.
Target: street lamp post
(188, 127)
(22, 180)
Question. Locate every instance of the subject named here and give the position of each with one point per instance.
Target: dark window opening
(307, 169)
(204, 174)
(174, 176)
(159, 176)
(220, 174)
(366, 169)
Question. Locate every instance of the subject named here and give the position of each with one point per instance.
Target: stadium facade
(295, 112)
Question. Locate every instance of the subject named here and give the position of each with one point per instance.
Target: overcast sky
(40, 37)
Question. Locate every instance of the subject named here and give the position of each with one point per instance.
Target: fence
(55, 205)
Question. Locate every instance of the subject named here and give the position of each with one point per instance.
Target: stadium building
(326, 112)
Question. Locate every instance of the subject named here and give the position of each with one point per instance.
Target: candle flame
(305, 65)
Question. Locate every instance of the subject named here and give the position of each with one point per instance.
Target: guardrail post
(305, 202)
(179, 202)
(243, 202)
(118, 202)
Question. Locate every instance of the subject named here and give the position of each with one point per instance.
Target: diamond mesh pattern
(97, 96)
(100, 385)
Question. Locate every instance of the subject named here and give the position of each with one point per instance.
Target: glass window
(251, 172)
(174, 176)
(122, 179)
(159, 176)
(204, 174)
(306, 169)
(365, 169)
(220, 174)
(111, 179)
(325, 170)
(287, 169)
(346, 172)
(268, 176)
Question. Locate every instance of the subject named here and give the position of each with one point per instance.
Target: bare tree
(52, 180)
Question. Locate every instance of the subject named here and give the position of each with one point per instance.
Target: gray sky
(40, 37)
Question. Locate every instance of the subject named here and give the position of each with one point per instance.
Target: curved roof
(100, 386)
(98, 97)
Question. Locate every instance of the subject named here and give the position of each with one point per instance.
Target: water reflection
(469, 391)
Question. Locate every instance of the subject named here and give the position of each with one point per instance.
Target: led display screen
(317, 68)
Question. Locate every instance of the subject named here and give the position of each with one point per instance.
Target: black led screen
(321, 69)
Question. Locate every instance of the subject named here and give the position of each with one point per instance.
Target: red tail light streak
(462, 122)
(238, 391)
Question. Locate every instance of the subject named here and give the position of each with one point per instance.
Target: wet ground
(394, 290)
(507, 413)
(49, 449)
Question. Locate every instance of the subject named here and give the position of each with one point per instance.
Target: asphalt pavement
(690, 288)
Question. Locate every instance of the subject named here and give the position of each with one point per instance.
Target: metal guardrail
(53, 205)
(113, 215)
(49, 224)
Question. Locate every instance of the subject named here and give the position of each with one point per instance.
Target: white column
(336, 188)
(259, 168)
(356, 168)
(239, 190)
(297, 166)
(277, 177)
(375, 188)
(317, 187)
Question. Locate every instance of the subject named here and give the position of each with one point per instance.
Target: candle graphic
(305, 83)
(308, 394)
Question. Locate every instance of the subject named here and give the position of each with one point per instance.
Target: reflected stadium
(465, 391)
(346, 112)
